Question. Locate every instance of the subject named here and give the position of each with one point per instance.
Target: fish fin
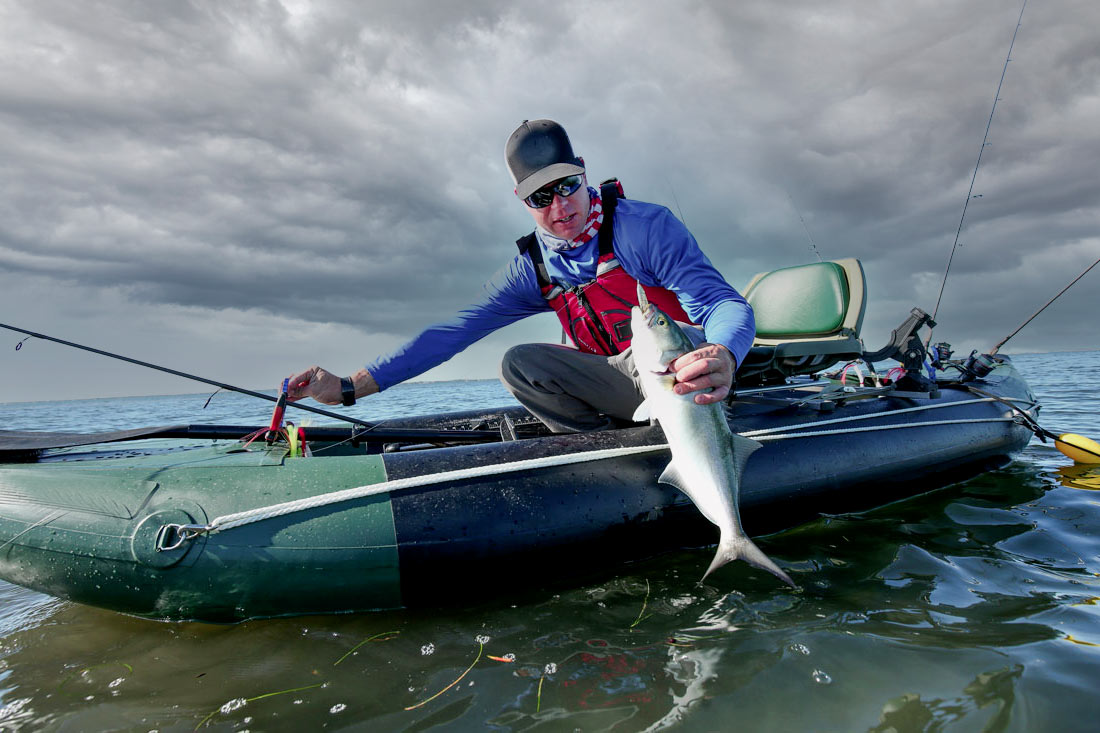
(642, 414)
(742, 448)
(743, 548)
(740, 547)
(671, 476)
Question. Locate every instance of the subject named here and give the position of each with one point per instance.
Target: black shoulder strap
(610, 193)
(530, 245)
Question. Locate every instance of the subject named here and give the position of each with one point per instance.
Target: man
(589, 250)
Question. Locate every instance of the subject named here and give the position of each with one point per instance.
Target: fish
(708, 459)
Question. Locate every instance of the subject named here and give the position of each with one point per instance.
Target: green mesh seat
(808, 317)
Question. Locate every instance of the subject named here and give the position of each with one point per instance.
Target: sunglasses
(545, 196)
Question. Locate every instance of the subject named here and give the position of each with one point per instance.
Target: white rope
(228, 521)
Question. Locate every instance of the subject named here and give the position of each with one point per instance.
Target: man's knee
(513, 366)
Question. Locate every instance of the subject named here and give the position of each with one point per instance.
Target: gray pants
(569, 390)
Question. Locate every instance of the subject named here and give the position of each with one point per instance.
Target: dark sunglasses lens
(567, 186)
(545, 196)
(540, 199)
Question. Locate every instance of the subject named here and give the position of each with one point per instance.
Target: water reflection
(994, 690)
(1080, 477)
(969, 608)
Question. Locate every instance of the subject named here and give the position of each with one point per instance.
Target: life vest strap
(611, 191)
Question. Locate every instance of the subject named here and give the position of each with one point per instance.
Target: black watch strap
(347, 391)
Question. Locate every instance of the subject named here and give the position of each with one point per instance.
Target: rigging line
(813, 245)
(759, 434)
(872, 428)
(970, 193)
(1029, 320)
(242, 390)
(1026, 416)
(676, 201)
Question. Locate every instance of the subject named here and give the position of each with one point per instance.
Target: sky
(239, 189)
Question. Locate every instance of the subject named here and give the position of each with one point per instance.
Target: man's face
(565, 217)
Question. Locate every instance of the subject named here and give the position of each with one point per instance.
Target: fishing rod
(185, 375)
(1076, 447)
(970, 193)
(1003, 341)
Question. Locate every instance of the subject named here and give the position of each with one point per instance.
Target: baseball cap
(538, 153)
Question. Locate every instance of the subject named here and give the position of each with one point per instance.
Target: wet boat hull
(84, 525)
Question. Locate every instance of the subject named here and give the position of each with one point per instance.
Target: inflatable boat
(223, 523)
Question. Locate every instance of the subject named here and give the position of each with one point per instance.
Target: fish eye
(660, 321)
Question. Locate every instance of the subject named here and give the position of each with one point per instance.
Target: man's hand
(324, 387)
(710, 367)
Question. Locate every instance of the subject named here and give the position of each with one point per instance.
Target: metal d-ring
(182, 533)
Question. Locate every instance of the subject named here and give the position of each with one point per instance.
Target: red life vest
(596, 314)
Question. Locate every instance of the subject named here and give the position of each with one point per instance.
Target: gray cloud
(341, 163)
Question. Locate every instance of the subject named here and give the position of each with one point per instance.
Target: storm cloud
(250, 187)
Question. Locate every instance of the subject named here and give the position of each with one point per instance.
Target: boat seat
(808, 317)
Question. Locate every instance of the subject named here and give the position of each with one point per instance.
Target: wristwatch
(347, 391)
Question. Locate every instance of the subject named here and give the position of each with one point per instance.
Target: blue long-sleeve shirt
(651, 244)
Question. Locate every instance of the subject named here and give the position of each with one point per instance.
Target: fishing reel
(978, 366)
(941, 353)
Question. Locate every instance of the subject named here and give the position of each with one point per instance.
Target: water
(969, 608)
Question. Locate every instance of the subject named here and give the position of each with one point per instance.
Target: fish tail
(743, 548)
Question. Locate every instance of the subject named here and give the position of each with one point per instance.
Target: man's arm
(663, 252)
(324, 386)
(510, 295)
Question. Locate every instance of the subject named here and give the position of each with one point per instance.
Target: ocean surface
(970, 608)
